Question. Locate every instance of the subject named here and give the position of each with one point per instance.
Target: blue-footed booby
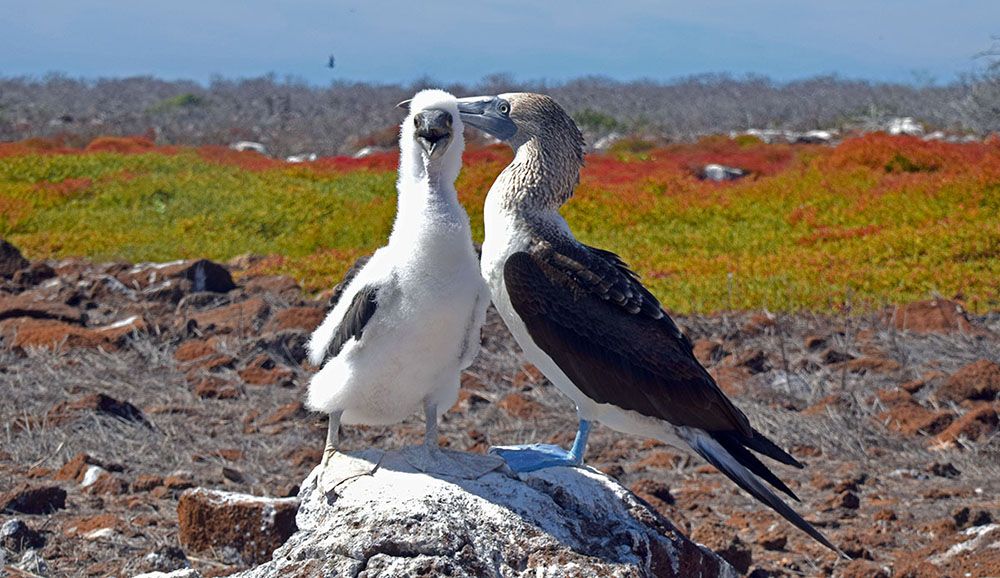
(584, 319)
(408, 322)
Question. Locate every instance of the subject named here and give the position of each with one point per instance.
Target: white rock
(904, 125)
(715, 172)
(182, 573)
(246, 145)
(393, 520)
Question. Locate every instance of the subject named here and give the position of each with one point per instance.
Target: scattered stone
(816, 342)
(978, 381)
(724, 541)
(193, 349)
(934, 316)
(286, 412)
(34, 274)
(262, 370)
(965, 518)
(242, 318)
(289, 345)
(978, 423)
(146, 482)
(655, 492)
(165, 561)
(912, 419)
(215, 387)
(203, 275)
(847, 500)
(732, 380)
(11, 260)
(709, 351)
(295, 318)
(27, 499)
(945, 470)
(755, 361)
(773, 540)
(873, 364)
(758, 324)
(98, 403)
(252, 525)
(860, 568)
(276, 285)
(17, 537)
(831, 356)
(32, 562)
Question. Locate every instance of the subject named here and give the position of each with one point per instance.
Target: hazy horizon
(916, 42)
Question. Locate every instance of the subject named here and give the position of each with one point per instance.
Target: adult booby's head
(431, 137)
(539, 130)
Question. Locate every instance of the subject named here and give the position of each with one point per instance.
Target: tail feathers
(717, 455)
(736, 449)
(766, 447)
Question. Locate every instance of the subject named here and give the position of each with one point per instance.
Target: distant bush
(121, 144)
(595, 121)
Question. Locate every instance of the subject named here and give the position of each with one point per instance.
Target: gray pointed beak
(433, 131)
(486, 113)
(405, 104)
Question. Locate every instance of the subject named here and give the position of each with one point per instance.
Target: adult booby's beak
(433, 131)
(490, 114)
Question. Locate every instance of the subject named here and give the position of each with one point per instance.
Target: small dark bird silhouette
(332, 62)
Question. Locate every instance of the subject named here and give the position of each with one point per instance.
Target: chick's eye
(504, 108)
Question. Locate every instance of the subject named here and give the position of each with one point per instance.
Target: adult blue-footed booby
(587, 322)
(408, 322)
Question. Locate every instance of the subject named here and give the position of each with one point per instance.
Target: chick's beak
(433, 131)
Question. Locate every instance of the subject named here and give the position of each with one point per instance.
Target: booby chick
(408, 322)
(584, 319)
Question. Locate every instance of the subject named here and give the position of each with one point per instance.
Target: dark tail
(721, 454)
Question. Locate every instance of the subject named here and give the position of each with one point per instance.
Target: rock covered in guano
(386, 518)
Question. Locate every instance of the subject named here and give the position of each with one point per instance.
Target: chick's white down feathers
(431, 299)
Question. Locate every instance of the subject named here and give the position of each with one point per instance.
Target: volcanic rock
(388, 518)
(254, 526)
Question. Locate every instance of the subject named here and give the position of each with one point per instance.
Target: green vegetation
(815, 228)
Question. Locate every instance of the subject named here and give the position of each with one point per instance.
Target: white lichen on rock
(398, 521)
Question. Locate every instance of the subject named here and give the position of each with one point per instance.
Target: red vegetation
(121, 144)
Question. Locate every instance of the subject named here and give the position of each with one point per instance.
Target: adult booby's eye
(504, 108)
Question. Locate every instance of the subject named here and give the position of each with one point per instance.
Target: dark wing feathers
(609, 335)
(616, 345)
(355, 318)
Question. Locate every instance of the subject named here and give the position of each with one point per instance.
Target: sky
(915, 41)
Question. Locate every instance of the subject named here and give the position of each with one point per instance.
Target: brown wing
(610, 336)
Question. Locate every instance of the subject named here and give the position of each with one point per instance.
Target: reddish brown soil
(896, 421)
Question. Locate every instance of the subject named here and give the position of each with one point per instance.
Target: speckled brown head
(547, 143)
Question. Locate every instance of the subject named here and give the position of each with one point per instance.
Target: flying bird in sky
(584, 319)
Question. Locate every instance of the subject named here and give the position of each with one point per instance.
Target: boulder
(17, 536)
(33, 500)
(933, 316)
(11, 260)
(38, 305)
(388, 518)
(979, 380)
(253, 526)
(203, 274)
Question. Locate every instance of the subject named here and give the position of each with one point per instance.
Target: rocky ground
(129, 386)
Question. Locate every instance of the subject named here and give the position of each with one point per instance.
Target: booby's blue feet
(531, 457)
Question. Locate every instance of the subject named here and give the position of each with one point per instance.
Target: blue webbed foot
(531, 457)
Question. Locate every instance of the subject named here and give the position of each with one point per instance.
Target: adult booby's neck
(539, 180)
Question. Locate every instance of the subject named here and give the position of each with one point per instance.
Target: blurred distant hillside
(290, 117)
